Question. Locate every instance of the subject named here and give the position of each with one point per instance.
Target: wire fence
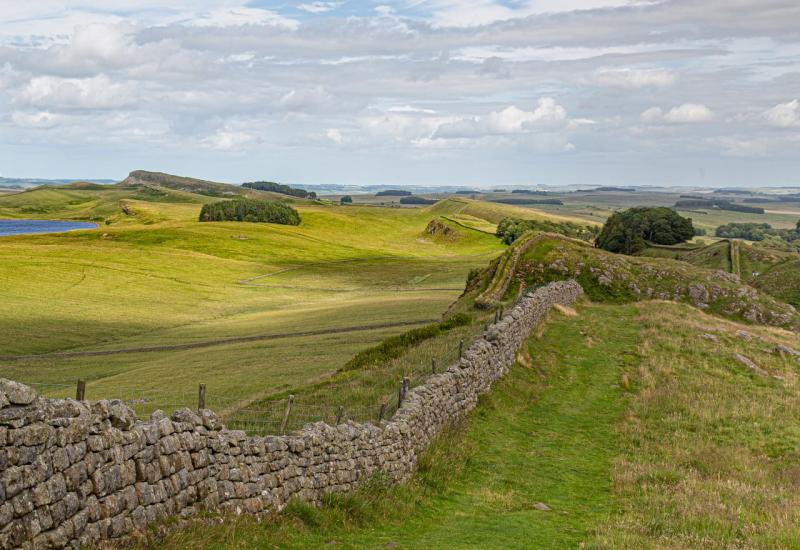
(369, 394)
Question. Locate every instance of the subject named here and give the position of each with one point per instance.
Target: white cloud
(471, 13)
(316, 99)
(410, 109)
(635, 78)
(319, 7)
(653, 114)
(688, 113)
(548, 115)
(230, 140)
(239, 16)
(335, 135)
(514, 120)
(37, 119)
(784, 115)
(98, 92)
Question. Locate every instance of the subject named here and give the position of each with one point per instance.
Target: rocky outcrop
(508, 265)
(436, 228)
(617, 278)
(76, 473)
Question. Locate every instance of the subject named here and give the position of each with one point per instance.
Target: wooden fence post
(285, 421)
(460, 349)
(80, 391)
(382, 412)
(433, 366)
(339, 415)
(201, 397)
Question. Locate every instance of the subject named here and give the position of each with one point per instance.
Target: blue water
(27, 227)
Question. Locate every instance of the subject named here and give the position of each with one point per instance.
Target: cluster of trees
(411, 199)
(747, 231)
(629, 231)
(249, 210)
(393, 193)
(280, 188)
(510, 229)
(757, 232)
(347, 199)
(758, 200)
(718, 203)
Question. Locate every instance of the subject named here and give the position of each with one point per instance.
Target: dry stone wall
(74, 473)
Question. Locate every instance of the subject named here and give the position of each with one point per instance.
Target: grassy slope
(774, 272)
(159, 277)
(494, 212)
(710, 448)
(633, 427)
(782, 281)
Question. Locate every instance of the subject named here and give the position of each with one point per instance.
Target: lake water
(26, 227)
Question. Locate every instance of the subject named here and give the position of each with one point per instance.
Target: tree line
(250, 210)
(280, 188)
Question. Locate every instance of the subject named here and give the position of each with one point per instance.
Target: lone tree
(347, 199)
(629, 231)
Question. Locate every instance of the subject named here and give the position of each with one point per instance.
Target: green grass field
(157, 277)
(633, 427)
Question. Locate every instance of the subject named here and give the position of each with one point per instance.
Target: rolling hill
(152, 276)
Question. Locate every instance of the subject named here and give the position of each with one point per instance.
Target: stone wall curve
(75, 473)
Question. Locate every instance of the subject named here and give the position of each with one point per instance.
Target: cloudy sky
(469, 92)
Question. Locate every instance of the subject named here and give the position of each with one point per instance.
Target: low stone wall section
(75, 473)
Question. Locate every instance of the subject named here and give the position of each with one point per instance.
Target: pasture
(154, 302)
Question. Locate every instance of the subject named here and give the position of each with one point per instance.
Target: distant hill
(162, 181)
(27, 183)
(181, 183)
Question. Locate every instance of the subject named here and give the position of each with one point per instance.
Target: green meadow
(248, 309)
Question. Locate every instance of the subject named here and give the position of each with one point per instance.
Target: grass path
(550, 442)
(545, 434)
